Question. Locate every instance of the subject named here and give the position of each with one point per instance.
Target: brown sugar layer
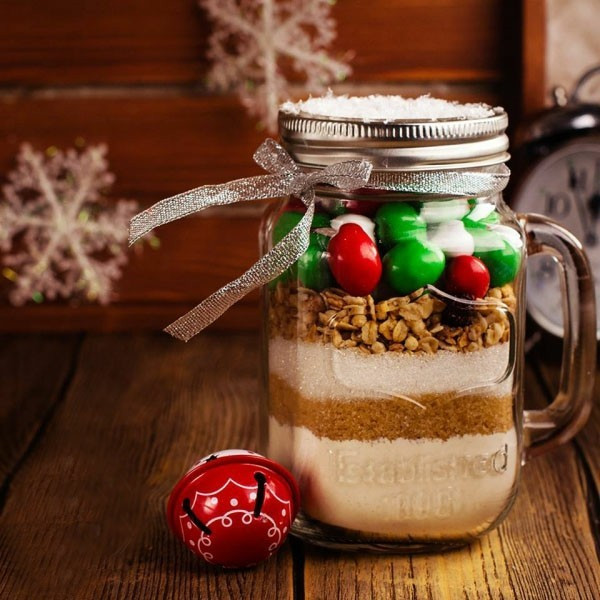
(417, 323)
(440, 416)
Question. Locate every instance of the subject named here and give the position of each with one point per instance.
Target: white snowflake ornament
(255, 45)
(58, 234)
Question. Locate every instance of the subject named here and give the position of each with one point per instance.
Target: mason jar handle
(549, 427)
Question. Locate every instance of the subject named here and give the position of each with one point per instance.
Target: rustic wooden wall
(131, 74)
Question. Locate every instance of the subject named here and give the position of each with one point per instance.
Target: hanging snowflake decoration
(256, 45)
(59, 235)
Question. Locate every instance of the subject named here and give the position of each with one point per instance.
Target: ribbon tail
(271, 265)
(170, 209)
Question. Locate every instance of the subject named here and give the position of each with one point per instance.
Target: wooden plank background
(132, 75)
(64, 43)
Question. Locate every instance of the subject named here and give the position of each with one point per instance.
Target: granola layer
(417, 323)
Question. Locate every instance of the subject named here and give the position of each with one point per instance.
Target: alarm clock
(561, 180)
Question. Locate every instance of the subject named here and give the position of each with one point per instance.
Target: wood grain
(33, 372)
(544, 549)
(60, 43)
(55, 317)
(88, 504)
(533, 62)
(157, 146)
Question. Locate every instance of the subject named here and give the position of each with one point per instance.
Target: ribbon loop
(274, 159)
(347, 176)
(187, 203)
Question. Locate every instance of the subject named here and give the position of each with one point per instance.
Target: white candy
(444, 210)
(363, 222)
(453, 238)
(509, 235)
(481, 211)
(486, 240)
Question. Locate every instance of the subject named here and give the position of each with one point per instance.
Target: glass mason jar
(393, 349)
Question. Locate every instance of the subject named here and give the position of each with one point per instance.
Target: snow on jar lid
(393, 132)
(234, 508)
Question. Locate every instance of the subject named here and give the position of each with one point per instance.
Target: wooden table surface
(96, 429)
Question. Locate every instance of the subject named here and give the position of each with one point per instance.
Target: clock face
(564, 186)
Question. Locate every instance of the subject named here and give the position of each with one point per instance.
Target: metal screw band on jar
(401, 144)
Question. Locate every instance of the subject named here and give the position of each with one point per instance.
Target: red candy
(467, 276)
(354, 260)
(234, 508)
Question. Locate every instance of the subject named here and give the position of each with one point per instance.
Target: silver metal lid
(419, 144)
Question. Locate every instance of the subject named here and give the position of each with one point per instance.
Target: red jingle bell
(234, 508)
(467, 276)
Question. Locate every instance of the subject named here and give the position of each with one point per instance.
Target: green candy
(313, 268)
(478, 224)
(492, 219)
(321, 220)
(502, 262)
(288, 220)
(398, 222)
(413, 264)
(337, 209)
(501, 259)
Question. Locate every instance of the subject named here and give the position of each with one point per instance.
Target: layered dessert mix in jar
(392, 343)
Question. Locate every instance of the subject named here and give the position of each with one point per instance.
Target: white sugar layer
(387, 108)
(323, 372)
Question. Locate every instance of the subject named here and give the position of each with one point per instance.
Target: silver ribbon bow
(285, 178)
